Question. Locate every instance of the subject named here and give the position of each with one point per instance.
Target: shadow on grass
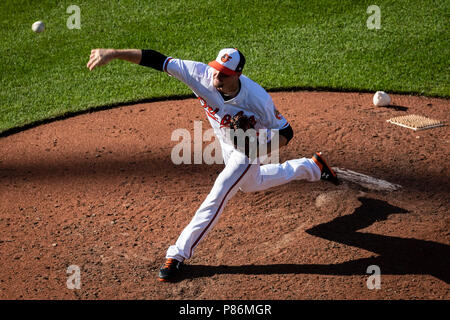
(396, 256)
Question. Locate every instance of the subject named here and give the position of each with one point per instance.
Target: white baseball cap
(229, 61)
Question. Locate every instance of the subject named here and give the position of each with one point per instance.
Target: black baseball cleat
(170, 269)
(327, 173)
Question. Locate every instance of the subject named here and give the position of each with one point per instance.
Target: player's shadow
(396, 256)
(395, 107)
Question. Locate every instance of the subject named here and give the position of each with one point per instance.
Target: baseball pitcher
(232, 102)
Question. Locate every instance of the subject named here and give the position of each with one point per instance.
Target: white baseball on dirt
(38, 27)
(381, 99)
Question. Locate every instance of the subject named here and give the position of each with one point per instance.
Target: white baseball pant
(238, 173)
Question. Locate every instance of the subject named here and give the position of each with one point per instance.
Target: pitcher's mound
(365, 181)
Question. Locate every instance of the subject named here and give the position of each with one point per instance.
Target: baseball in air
(38, 27)
(381, 99)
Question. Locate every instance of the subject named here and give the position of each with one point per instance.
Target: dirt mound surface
(99, 191)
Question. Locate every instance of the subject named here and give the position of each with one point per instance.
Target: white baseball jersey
(238, 173)
(252, 99)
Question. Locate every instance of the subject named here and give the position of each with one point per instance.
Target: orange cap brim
(221, 68)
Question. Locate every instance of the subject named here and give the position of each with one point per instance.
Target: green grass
(291, 44)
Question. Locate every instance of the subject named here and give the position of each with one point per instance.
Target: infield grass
(288, 44)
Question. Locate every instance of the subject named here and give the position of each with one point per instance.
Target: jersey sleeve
(189, 72)
(271, 118)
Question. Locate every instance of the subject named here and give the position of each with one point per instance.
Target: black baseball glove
(242, 143)
(240, 121)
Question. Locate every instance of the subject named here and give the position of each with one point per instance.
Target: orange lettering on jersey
(277, 114)
(225, 121)
(202, 101)
(210, 112)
